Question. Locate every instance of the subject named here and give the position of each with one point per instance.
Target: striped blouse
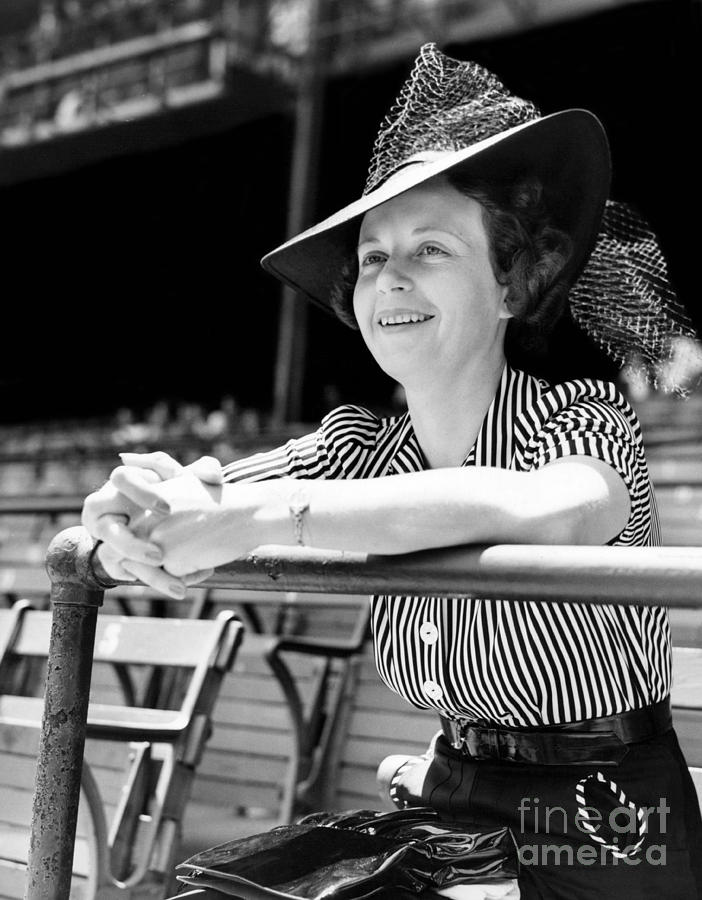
(509, 663)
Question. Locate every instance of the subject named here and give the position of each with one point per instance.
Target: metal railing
(103, 69)
(670, 576)
(67, 70)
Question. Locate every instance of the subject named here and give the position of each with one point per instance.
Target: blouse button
(429, 633)
(432, 690)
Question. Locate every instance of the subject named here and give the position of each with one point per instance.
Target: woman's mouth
(402, 319)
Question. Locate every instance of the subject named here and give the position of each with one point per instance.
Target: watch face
(298, 504)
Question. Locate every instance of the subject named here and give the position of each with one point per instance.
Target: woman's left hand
(112, 513)
(192, 536)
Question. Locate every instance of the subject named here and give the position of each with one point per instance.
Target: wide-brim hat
(454, 115)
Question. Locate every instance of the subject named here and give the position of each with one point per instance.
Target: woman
(477, 221)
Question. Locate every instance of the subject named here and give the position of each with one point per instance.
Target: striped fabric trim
(516, 664)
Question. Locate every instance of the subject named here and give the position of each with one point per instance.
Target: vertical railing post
(292, 330)
(75, 598)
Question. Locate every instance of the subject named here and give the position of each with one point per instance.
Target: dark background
(136, 279)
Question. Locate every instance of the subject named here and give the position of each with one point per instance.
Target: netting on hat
(445, 104)
(625, 303)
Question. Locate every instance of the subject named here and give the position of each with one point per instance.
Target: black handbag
(353, 856)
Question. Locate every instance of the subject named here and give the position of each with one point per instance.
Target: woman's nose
(393, 277)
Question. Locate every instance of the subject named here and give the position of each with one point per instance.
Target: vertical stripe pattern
(515, 664)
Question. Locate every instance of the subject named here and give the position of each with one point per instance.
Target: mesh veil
(624, 301)
(445, 104)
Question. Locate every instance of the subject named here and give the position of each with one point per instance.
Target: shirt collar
(493, 444)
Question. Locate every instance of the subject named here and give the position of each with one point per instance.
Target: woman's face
(426, 300)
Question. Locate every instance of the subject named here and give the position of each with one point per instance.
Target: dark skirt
(584, 832)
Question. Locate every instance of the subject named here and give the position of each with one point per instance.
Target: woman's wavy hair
(528, 254)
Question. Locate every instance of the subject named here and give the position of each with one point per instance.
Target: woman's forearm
(581, 501)
(569, 503)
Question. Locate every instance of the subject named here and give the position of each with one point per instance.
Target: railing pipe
(650, 576)
(670, 576)
(113, 54)
(75, 598)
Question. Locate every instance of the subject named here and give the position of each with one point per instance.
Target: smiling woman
(426, 253)
(480, 221)
(526, 252)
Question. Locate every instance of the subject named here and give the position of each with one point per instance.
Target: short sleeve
(600, 424)
(332, 451)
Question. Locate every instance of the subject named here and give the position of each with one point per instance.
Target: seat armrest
(313, 646)
(338, 649)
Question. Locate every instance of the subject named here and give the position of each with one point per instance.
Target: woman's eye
(432, 250)
(372, 259)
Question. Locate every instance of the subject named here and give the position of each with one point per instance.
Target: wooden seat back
(24, 582)
(277, 704)
(371, 722)
(686, 698)
(140, 761)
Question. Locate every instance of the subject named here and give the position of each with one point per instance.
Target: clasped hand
(144, 517)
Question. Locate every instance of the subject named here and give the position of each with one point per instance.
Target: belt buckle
(478, 741)
(463, 737)
(457, 729)
(476, 737)
(483, 742)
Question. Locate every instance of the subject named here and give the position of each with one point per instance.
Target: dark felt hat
(456, 115)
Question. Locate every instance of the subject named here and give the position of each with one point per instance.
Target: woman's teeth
(403, 319)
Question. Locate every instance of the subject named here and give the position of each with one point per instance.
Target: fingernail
(177, 589)
(155, 554)
(160, 506)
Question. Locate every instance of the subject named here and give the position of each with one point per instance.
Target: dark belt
(600, 742)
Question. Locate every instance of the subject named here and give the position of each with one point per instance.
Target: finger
(113, 531)
(149, 476)
(159, 462)
(197, 577)
(156, 578)
(106, 500)
(184, 570)
(207, 469)
(178, 567)
(132, 483)
(111, 562)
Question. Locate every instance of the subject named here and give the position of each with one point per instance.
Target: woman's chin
(402, 371)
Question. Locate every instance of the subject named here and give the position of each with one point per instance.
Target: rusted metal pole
(292, 331)
(646, 576)
(651, 576)
(75, 595)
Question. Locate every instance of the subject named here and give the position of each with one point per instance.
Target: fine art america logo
(617, 834)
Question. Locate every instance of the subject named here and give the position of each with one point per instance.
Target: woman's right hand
(113, 513)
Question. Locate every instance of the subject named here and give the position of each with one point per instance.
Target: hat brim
(567, 151)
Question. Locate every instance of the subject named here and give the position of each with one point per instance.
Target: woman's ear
(505, 312)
